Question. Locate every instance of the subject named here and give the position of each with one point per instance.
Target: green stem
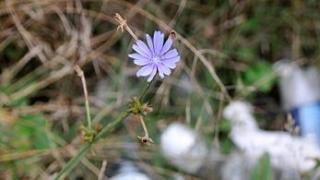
(111, 126)
(73, 162)
(146, 90)
(88, 113)
(85, 91)
(86, 147)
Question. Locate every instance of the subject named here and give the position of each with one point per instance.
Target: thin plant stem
(85, 91)
(216, 122)
(102, 169)
(146, 133)
(73, 162)
(146, 90)
(144, 139)
(123, 25)
(86, 147)
(111, 126)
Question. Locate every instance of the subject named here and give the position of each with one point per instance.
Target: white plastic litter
(298, 86)
(300, 93)
(183, 147)
(129, 172)
(130, 176)
(285, 151)
(234, 167)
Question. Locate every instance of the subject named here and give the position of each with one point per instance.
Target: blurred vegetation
(41, 100)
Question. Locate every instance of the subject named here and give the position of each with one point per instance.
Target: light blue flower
(155, 56)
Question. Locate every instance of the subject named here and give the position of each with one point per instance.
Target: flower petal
(145, 70)
(153, 73)
(167, 45)
(173, 59)
(161, 74)
(144, 46)
(171, 63)
(170, 54)
(138, 56)
(141, 50)
(150, 43)
(141, 62)
(158, 38)
(163, 69)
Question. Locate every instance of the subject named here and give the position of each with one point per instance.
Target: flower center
(156, 59)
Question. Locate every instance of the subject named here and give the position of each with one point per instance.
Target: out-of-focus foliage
(263, 169)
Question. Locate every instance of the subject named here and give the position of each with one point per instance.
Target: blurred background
(41, 97)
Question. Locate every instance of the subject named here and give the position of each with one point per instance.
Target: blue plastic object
(307, 117)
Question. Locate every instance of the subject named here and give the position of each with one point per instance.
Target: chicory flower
(155, 56)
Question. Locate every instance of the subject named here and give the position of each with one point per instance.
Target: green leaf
(256, 74)
(250, 25)
(33, 127)
(246, 54)
(13, 52)
(224, 126)
(263, 169)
